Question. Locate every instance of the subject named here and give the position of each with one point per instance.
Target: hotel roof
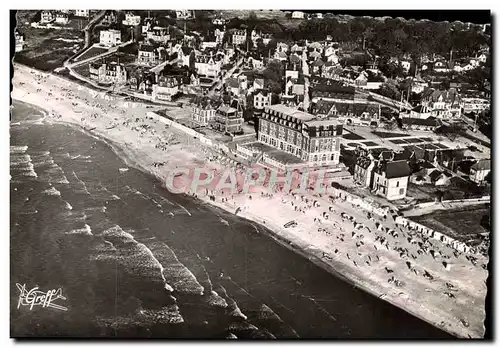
(324, 123)
(300, 115)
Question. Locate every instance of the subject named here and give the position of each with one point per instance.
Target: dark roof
(431, 121)
(482, 164)
(186, 50)
(363, 162)
(395, 169)
(356, 109)
(449, 96)
(147, 48)
(232, 82)
(435, 175)
(427, 165)
(322, 107)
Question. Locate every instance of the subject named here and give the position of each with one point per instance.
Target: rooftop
(324, 123)
(300, 115)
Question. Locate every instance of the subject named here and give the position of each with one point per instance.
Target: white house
(203, 113)
(108, 72)
(406, 64)
(239, 37)
(110, 38)
(47, 17)
(166, 88)
(219, 36)
(82, 13)
(208, 65)
(480, 170)
(184, 14)
(390, 179)
(475, 105)
(158, 34)
(298, 15)
(131, 20)
(262, 99)
(62, 18)
(19, 41)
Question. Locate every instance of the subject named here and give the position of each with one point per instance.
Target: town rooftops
(232, 82)
(226, 109)
(431, 121)
(287, 111)
(322, 123)
(147, 48)
(363, 161)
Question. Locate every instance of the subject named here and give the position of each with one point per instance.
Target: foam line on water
(18, 148)
(136, 257)
(52, 191)
(176, 273)
(83, 231)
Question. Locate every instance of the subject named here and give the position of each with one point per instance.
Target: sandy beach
(422, 276)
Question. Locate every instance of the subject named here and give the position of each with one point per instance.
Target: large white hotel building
(314, 141)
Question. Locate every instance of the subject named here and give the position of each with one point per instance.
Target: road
(88, 28)
(90, 59)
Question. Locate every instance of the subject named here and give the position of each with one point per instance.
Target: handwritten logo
(35, 297)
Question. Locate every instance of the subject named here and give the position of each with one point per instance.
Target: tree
(192, 61)
(390, 91)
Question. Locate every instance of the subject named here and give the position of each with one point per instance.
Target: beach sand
(389, 262)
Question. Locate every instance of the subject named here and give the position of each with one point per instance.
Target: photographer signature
(35, 297)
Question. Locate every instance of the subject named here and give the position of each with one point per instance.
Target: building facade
(480, 170)
(316, 142)
(228, 120)
(112, 72)
(110, 38)
(239, 37)
(82, 13)
(47, 17)
(19, 41)
(261, 100)
(62, 18)
(166, 88)
(385, 176)
(203, 113)
(158, 34)
(131, 20)
(207, 65)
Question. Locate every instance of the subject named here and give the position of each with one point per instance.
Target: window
(397, 183)
(401, 191)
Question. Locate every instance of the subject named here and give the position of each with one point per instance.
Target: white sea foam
(18, 149)
(183, 208)
(177, 274)
(85, 190)
(52, 191)
(85, 231)
(18, 159)
(136, 257)
(68, 206)
(234, 310)
(165, 315)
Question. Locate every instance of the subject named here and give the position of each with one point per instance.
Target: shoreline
(270, 231)
(136, 157)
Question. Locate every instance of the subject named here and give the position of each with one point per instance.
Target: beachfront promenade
(380, 256)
